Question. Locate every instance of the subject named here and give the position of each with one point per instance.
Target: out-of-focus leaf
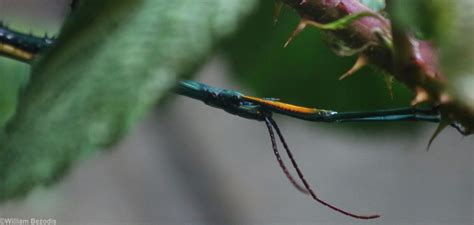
(457, 50)
(428, 19)
(13, 76)
(113, 61)
(375, 5)
(307, 71)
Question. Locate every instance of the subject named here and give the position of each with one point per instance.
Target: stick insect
(25, 48)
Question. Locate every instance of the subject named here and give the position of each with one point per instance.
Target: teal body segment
(227, 100)
(235, 102)
(25, 42)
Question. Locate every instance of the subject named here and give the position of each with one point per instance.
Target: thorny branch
(411, 61)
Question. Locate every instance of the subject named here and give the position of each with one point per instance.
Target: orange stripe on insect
(282, 106)
(10, 50)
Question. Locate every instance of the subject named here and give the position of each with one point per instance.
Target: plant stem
(411, 61)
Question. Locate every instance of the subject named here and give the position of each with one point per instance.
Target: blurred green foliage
(14, 76)
(307, 71)
(428, 19)
(113, 61)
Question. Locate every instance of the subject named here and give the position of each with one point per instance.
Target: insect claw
(301, 26)
(361, 62)
(278, 6)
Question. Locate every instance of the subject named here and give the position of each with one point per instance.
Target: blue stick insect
(25, 48)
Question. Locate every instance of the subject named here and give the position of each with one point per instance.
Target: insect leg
(280, 161)
(306, 184)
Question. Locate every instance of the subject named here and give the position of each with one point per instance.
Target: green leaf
(457, 50)
(113, 61)
(428, 19)
(13, 76)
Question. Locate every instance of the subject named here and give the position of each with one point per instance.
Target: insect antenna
(269, 120)
(283, 167)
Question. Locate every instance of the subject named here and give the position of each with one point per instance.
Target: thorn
(360, 63)
(278, 6)
(442, 124)
(420, 97)
(299, 28)
(389, 82)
